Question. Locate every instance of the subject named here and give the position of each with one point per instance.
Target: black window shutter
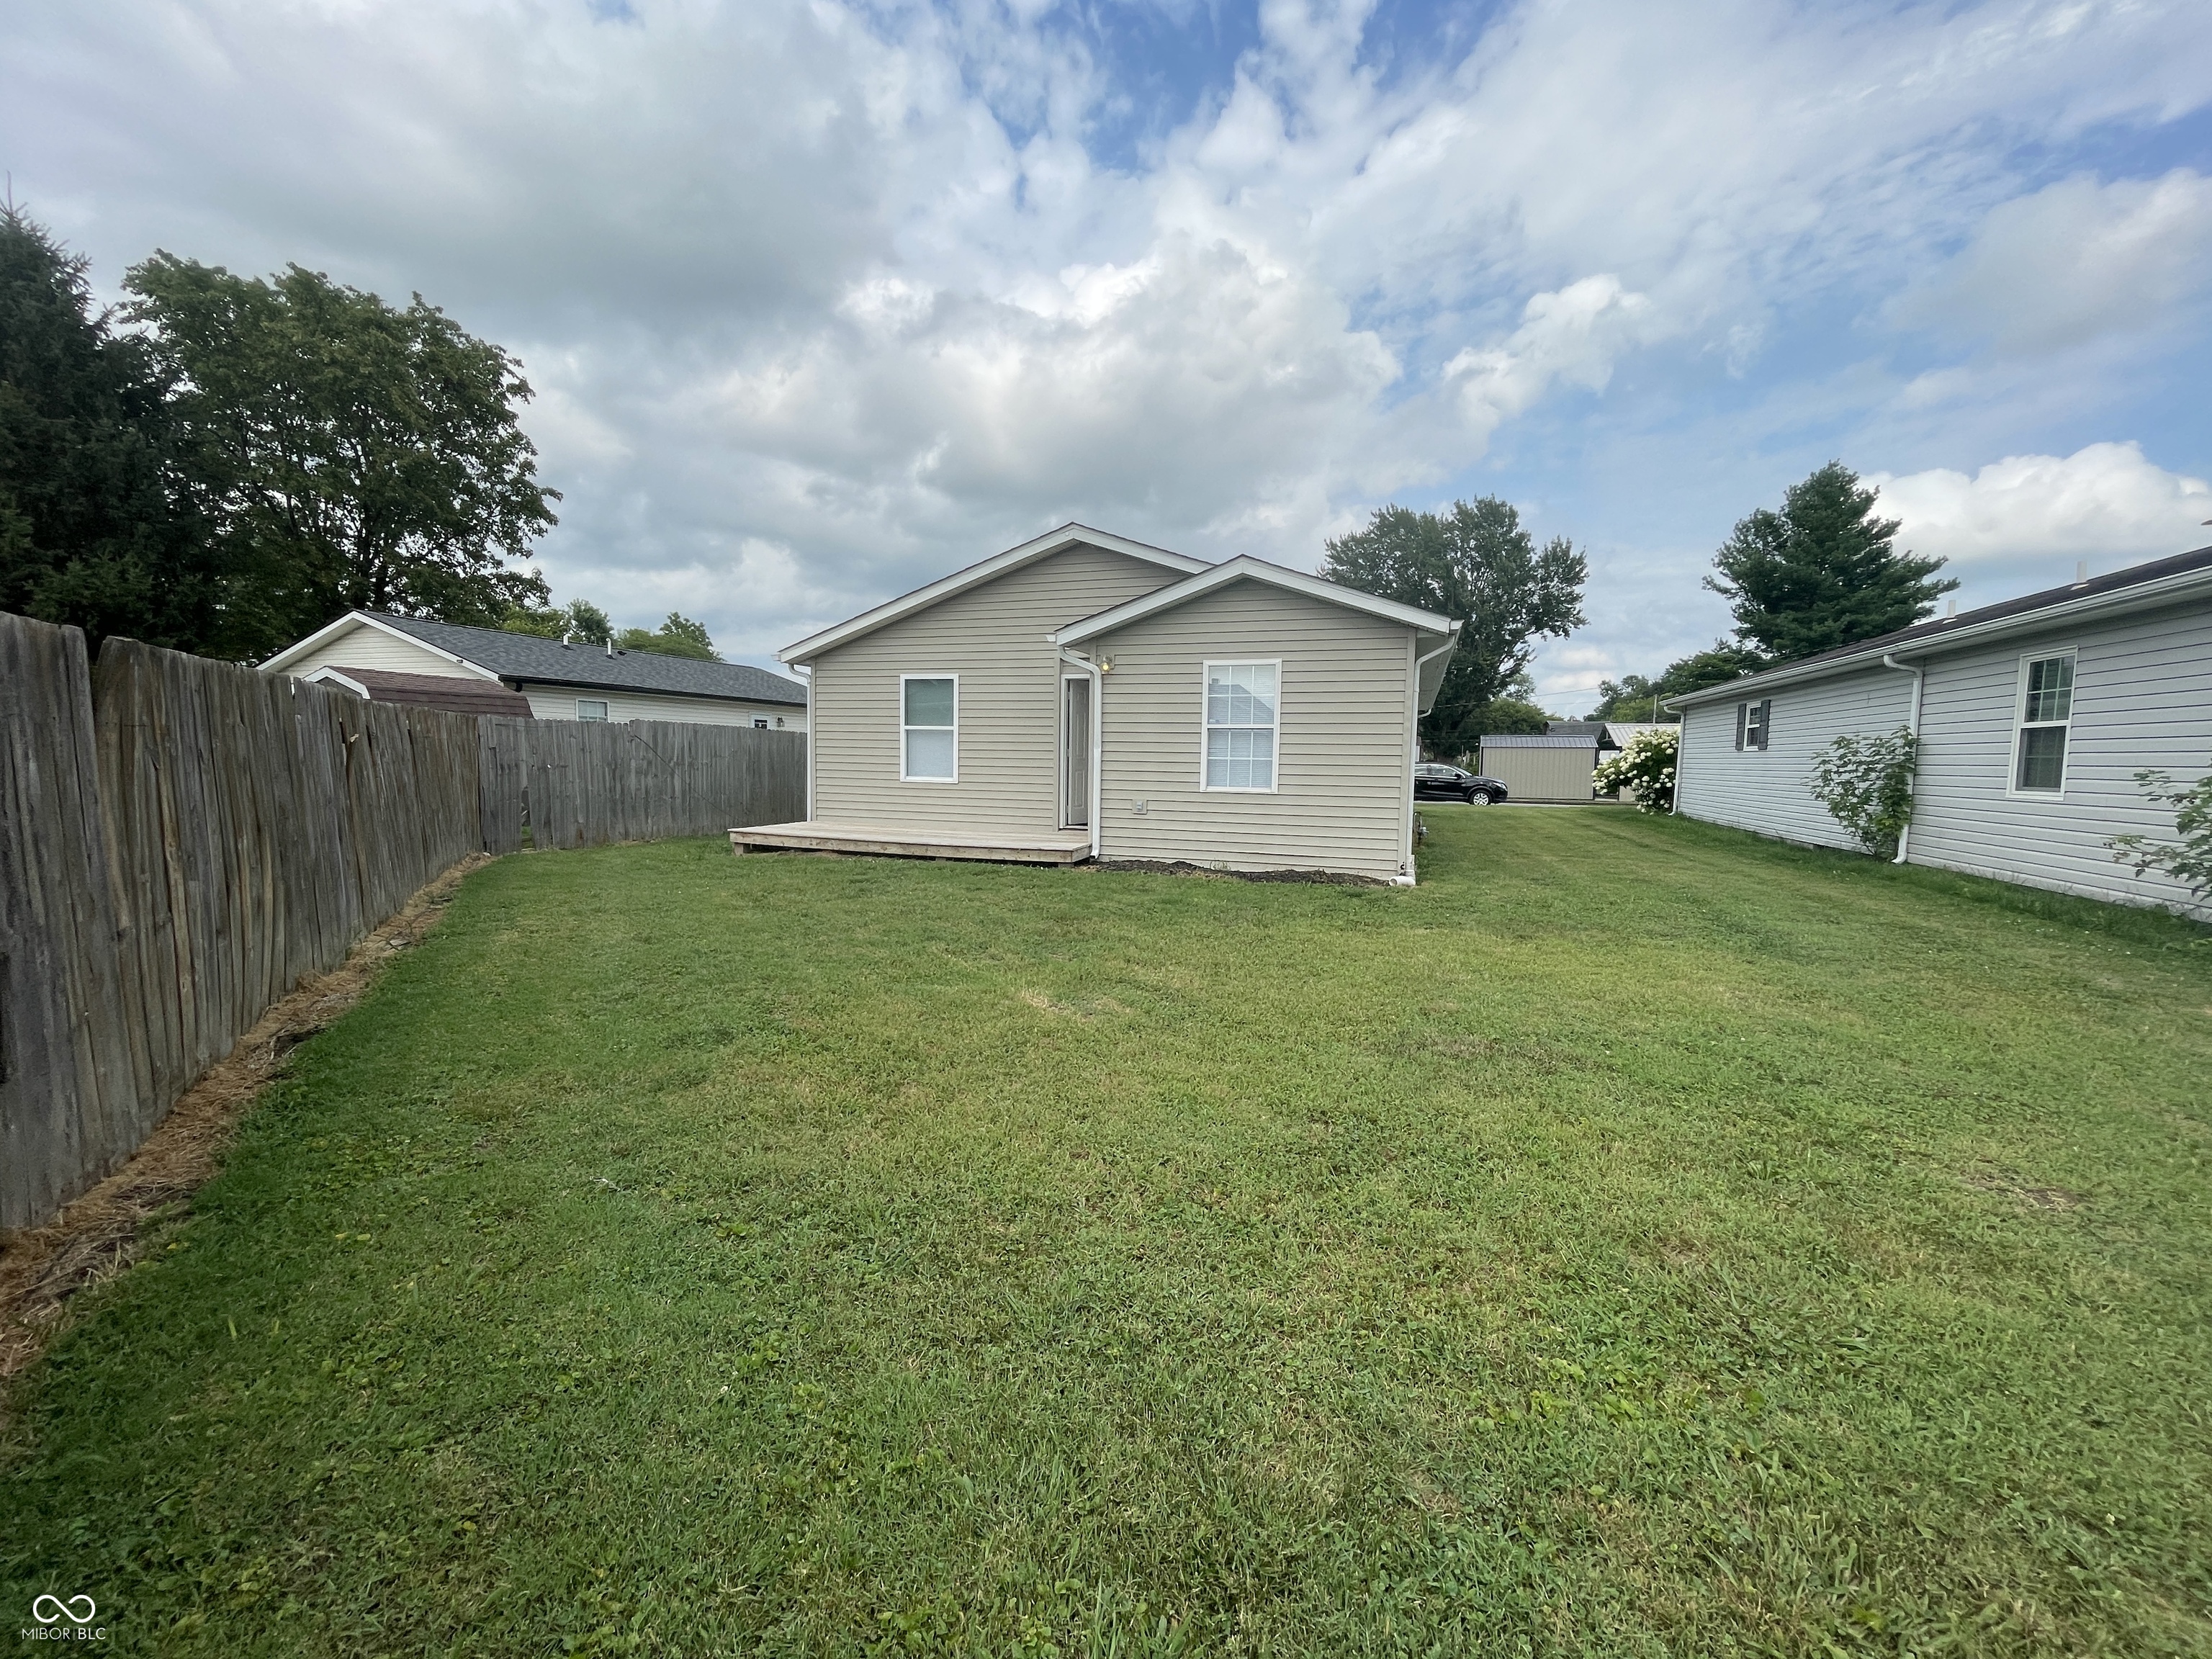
(1741, 710)
(1765, 721)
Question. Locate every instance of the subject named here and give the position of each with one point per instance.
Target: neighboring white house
(2033, 717)
(1085, 695)
(560, 681)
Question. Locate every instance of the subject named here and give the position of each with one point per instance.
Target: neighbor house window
(760, 724)
(1241, 708)
(2046, 709)
(1753, 720)
(929, 728)
(591, 709)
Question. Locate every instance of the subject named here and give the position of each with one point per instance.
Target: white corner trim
(1245, 567)
(1053, 541)
(292, 653)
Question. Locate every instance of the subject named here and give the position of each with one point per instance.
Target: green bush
(1645, 764)
(2188, 860)
(1866, 784)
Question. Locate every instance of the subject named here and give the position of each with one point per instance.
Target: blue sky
(822, 299)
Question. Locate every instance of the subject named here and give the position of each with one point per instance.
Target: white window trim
(904, 728)
(1204, 674)
(2021, 723)
(605, 716)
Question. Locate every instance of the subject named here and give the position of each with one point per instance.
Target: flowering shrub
(1645, 765)
(1866, 784)
(2189, 861)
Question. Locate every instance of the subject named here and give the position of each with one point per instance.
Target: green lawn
(1637, 1239)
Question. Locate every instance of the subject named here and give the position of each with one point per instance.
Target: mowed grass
(1637, 1239)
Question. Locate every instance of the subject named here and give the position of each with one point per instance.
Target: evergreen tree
(1822, 572)
(95, 528)
(1478, 563)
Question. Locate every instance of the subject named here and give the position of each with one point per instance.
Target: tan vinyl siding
(558, 703)
(1342, 799)
(363, 646)
(1538, 774)
(993, 637)
(1769, 790)
(2142, 697)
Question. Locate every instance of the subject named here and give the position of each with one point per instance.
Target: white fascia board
(292, 653)
(1054, 541)
(327, 676)
(2148, 596)
(1244, 567)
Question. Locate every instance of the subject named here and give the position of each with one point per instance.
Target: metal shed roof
(1540, 740)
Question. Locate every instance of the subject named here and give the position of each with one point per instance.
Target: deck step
(884, 841)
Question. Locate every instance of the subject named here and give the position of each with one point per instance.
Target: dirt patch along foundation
(98, 1235)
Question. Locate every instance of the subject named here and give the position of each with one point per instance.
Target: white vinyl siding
(363, 646)
(2141, 697)
(993, 637)
(1344, 760)
(1769, 790)
(558, 703)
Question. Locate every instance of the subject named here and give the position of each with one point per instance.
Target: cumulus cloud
(822, 299)
(2106, 502)
(2075, 260)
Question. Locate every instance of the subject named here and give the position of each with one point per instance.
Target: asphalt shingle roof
(463, 696)
(548, 662)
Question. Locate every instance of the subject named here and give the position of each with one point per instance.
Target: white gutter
(1097, 742)
(1912, 725)
(1413, 746)
(2143, 596)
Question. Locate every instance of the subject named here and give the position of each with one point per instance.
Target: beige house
(1084, 695)
(387, 658)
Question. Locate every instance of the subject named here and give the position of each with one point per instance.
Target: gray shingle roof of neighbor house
(1540, 740)
(2137, 585)
(548, 662)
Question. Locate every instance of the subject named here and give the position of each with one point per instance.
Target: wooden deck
(891, 841)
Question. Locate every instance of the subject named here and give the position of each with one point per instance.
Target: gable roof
(2137, 587)
(1053, 541)
(494, 653)
(468, 695)
(1244, 567)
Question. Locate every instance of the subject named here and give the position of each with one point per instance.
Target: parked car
(1433, 780)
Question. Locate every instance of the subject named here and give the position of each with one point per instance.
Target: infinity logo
(52, 1610)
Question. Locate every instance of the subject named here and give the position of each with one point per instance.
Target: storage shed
(1552, 767)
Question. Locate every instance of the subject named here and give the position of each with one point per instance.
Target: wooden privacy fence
(183, 841)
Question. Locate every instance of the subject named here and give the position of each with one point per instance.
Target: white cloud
(2075, 260)
(2105, 503)
(1574, 335)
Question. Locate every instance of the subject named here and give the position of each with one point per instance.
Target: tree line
(223, 464)
(1821, 571)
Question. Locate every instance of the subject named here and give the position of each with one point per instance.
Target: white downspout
(1413, 747)
(1097, 744)
(1912, 725)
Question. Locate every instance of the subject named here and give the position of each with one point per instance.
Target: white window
(591, 709)
(1752, 721)
(1240, 708)
(929, 728)
(2045, 713)
(759, 724)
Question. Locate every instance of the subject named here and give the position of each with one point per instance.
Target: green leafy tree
(1632, 697)
(1478, 563)
(1866, 784)
(95, 527)
(579, 620)
(679, 636)
(348, 455)
(1823, 571)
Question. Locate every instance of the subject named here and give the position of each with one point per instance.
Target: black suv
(1435, 781)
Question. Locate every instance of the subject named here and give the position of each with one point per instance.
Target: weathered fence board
(183, 841)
